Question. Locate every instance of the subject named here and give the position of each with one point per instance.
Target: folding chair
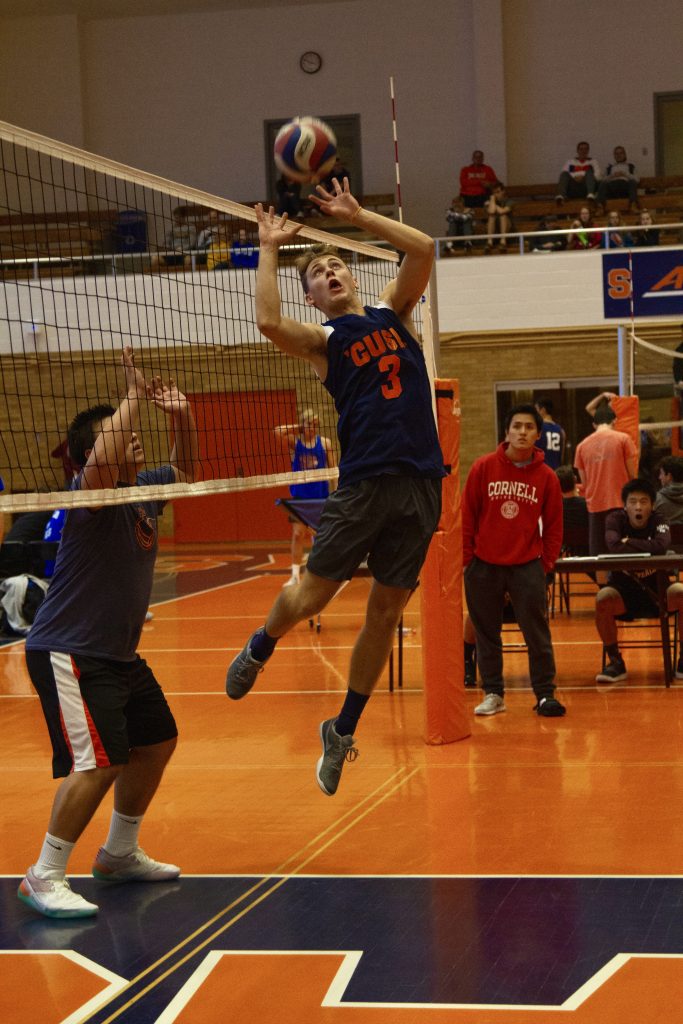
(574, 542)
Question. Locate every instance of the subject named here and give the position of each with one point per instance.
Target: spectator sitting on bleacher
(669, 500)
(579, 176)
(649, 237)
(180, 240)
(476, 181)
(209, 230)
(339, 172)
(588, 238)
(218, 253)
(499, 209)
(460, 223)
(617, 239)
(243, 252)
(551, 242)
(620, 182)
(288, 197)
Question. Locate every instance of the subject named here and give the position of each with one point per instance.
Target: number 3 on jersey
(390, 365)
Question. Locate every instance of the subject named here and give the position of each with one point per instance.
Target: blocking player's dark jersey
(97, 600)
(378, 379)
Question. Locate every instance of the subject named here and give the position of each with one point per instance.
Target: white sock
(123, 834)
(53, 858)
(296, 573)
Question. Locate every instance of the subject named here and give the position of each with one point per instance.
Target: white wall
(581, 69)
(185, 96)
(40, 76)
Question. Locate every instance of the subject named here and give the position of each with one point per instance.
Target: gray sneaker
(242, 673)
(492, 704)
(336, 750)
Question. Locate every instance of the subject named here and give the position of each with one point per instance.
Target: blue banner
(656, 288)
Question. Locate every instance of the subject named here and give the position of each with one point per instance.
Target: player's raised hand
(274, 229)
(135, 382)
(166, 395)
(337, 203)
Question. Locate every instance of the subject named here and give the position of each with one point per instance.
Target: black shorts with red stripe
(97, 709)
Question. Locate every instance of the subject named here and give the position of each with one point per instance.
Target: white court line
(116, 982)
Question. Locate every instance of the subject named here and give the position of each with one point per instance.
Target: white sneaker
(134, 867)
(53, 898)
(492, 704)
(291, 582)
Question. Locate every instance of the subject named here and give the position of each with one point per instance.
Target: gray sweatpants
(485, 588)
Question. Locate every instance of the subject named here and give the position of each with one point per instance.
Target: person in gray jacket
(669, 499)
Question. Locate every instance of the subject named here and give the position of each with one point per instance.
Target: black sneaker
(471, 675)
(242, 673)
(336, 750)
(613, 672)
(550, 707)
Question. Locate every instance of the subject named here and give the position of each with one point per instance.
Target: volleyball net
(95, 256)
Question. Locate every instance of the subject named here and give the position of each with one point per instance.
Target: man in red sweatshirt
(512, 534)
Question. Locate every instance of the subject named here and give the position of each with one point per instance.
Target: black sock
(261, 646)
(470, 653)
(351, 711)
(613, 652)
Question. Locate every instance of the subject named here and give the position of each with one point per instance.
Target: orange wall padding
(627, 409)
(445, 710)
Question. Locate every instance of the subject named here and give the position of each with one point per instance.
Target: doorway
(668, 133)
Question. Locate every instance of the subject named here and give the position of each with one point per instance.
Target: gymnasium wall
(585, 70)
(185, 95)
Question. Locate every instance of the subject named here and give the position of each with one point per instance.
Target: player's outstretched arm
(108, 453)
(307, 341)
(413, 276)
(185, 454)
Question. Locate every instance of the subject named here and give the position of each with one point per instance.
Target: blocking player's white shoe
(134, 867)
(53, 898)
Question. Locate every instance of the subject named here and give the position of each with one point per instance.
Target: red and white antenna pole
(398, 173)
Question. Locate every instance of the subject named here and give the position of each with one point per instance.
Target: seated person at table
(670, 494)
(633, 594)
(574, 511)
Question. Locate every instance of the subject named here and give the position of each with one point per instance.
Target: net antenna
(95, 255)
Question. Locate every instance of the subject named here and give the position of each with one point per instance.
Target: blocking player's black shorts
(97, 709)
(387, 519)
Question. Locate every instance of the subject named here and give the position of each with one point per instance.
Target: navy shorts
(97, 709)
(388, 520)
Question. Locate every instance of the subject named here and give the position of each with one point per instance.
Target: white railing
(519, 238)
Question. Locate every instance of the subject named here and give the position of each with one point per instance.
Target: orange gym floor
(529, 874)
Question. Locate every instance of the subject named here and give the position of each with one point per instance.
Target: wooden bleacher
(663, 196)
(63, 237)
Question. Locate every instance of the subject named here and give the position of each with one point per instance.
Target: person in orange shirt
(606, 460)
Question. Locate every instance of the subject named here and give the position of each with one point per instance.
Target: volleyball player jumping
(388, 501)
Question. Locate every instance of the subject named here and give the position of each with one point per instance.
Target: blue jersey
(378, 379)
(550, 443)
(310, 458)
(98, 598)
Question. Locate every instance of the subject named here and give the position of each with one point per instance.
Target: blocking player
(106, 714)
(388, 500)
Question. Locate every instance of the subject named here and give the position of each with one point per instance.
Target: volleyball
(305, 149)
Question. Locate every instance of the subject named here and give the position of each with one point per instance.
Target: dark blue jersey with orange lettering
(378, 379)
